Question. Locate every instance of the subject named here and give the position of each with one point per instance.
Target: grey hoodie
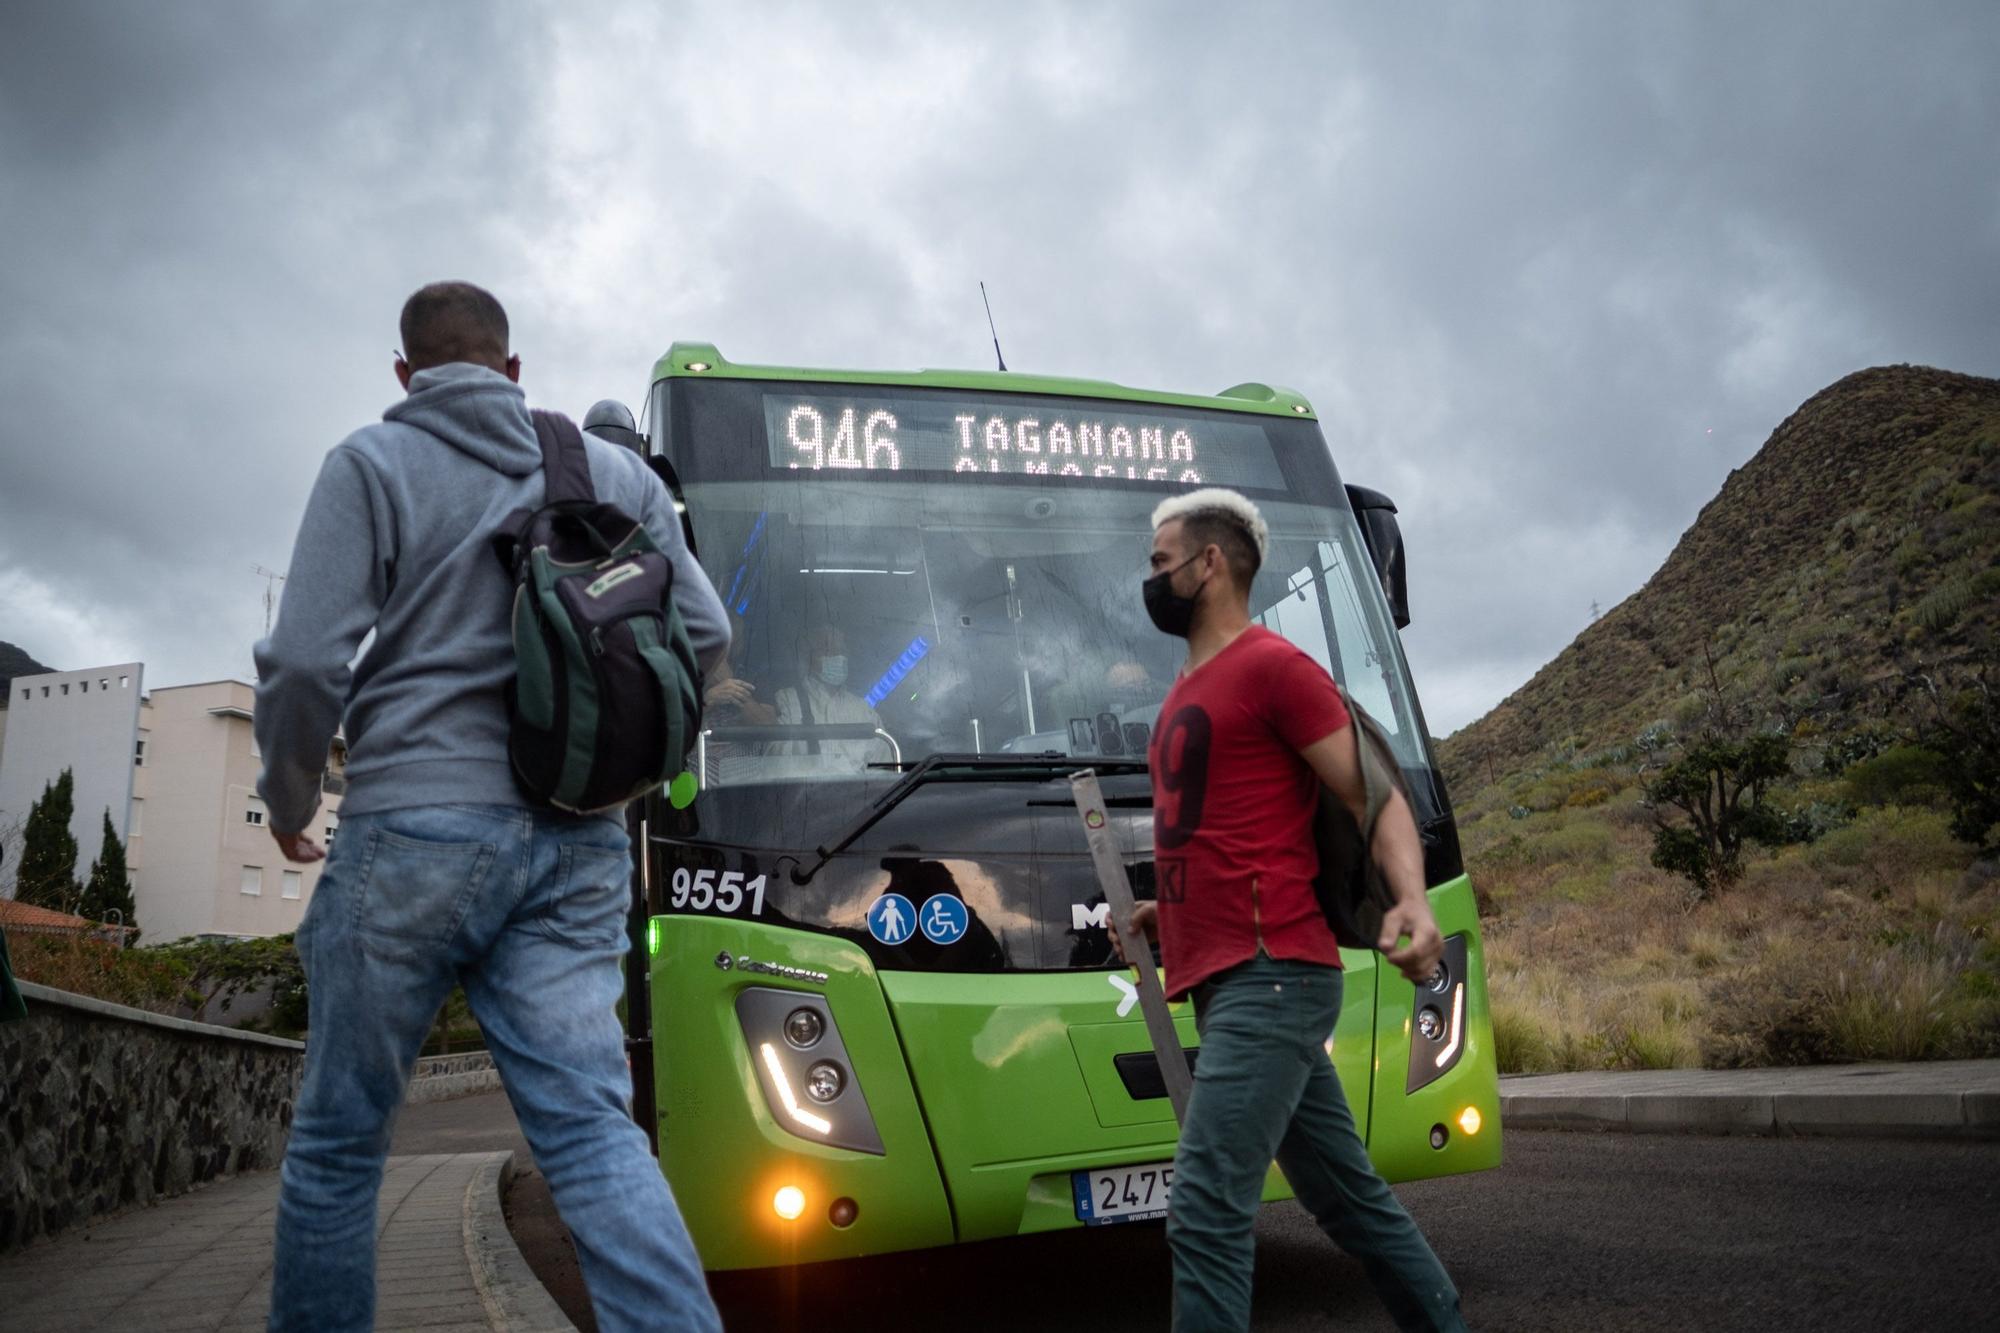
(397, 540)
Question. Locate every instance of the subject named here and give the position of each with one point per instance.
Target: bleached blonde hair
(1216, 502)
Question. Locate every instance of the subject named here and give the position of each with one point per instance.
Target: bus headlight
(789, 1203)
(824, 1081)
(803, 1027)
(810, 1083)
(1437, 1036)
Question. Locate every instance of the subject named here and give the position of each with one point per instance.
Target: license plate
(1122, 1193)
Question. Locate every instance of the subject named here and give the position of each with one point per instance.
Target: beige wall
(76, 720)
(194, 844)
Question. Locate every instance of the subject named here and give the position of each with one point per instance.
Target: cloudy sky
(1548, 271)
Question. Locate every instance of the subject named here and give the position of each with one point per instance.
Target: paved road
(1576, 1231)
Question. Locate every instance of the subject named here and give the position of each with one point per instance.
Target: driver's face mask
(833, 671)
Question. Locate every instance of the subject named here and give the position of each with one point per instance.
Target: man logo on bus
(892, 918)
(1085, 917)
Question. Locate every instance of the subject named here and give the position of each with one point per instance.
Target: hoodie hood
(476, 411)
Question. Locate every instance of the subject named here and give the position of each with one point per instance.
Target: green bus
(874, 1006)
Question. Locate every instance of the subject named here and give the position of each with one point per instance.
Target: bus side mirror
(1376, 513)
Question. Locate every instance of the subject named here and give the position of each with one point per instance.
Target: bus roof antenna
(989, 326)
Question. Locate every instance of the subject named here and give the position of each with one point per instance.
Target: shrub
(1892, 844)
(1900, 775)
(1941, 607)
(1895, 1009)
(148, 979)
(1519, 1046)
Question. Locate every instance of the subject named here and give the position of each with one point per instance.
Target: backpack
(1352, 892)
(604, 704)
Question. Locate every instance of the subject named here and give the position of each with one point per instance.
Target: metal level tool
(1138, 951)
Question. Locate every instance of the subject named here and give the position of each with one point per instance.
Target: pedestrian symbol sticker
(892, 918)
(944, 918)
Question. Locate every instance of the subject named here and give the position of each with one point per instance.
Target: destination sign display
(1015, 436)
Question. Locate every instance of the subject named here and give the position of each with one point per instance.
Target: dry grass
(1883, 944)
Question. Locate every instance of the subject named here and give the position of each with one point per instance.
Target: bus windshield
(901, 582)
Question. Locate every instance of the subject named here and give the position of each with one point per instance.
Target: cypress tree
(47, 877)
(110, 886)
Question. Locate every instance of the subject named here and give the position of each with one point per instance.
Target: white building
(198, 843)
(87, 722)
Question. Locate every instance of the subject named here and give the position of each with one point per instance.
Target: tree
(1718, 786)
(223, 969)
(47, 877)
(110, 886)
(1967, 734)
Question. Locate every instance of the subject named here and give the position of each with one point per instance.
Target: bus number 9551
(709, 890)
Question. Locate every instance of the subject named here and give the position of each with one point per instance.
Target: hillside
(1841, 593)
(14, 662)
(1862, 540)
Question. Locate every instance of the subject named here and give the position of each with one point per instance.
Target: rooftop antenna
(989, 326)
(272, 578)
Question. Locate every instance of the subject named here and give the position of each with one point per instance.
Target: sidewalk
(445, 1263)
(1944, 1099)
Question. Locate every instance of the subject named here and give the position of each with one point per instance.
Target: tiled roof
(26, 916)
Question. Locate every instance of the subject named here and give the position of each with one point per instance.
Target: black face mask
(1171, 612)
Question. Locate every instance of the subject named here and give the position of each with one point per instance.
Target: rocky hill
(14, 662)
(1842, 590)
(1860, 547)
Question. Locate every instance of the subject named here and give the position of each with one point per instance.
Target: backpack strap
(565, 462)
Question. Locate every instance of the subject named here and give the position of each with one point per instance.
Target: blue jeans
(527, 911)
(1263, 1090)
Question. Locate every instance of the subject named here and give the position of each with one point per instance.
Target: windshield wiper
(963, 768)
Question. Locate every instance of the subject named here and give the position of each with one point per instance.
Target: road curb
(515, 1300)
(1886, 1113)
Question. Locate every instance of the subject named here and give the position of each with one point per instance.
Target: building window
(253, 880)
(104, 682)
(139, 754)
(124, 682)
(331, 828)
(83, 686)
(293, 879)
(45, 691)
(65, 688)
(254, 816)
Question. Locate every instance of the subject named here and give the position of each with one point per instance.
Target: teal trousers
(1264, 1090)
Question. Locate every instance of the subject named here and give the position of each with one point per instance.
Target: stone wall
(104, 1107)
(440, 1078)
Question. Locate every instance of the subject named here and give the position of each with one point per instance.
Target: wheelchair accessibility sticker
(944, 919)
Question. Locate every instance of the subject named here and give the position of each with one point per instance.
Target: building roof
(31, 919)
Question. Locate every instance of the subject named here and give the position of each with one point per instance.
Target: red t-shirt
(1233, 804)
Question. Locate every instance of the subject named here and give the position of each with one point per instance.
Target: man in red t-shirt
(1246, 737)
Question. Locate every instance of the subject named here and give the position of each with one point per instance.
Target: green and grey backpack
(1353, 894)
(605, 700)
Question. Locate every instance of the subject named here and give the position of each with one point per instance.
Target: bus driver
(822, 698)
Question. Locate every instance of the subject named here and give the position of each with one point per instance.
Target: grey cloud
(1548, 271)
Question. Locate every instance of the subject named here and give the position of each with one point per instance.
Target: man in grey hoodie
(445, 873)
